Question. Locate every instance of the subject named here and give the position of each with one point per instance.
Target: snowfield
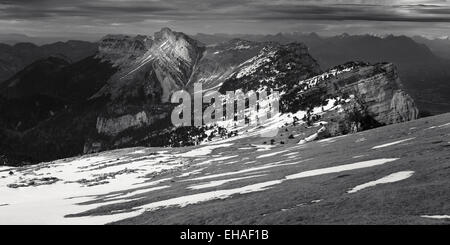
(398, 174)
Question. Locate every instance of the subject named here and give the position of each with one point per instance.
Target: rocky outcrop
(378, 90)
(403, 108)
(364, 96)
(113, 126)
(92, 147)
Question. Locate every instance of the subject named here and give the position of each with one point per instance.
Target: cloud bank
(89, 17)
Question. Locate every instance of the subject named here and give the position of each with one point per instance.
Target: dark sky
(90, 19)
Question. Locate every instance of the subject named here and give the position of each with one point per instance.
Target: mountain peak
(166, 30)
(167, 34)
(344, 35)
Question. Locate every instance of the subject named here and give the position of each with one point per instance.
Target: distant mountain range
(14, 38)
(14, 58)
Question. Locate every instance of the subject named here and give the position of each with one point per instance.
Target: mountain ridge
(128, 105)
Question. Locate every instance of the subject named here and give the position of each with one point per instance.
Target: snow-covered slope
(391, 175)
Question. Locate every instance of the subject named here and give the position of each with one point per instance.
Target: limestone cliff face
(378, 89)
(115, 125)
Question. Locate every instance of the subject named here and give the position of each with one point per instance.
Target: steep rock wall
(112, 126)
(378, 89)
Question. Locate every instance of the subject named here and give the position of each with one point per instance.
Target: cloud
(214, 13)
(135, 10)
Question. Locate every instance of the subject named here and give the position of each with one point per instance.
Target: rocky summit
(150, 68)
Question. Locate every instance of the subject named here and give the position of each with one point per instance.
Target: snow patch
(291, 154)
(312, 137)
(271, 154)
(184, 201)
(263, 167)
(264, 147)
(202, 151)
(392, 143)
(395, 177)
(216, 159)
(193, 172)
(436, 216)
(341, 168)
(359, 156)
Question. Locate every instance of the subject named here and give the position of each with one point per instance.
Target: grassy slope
(426, 192)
